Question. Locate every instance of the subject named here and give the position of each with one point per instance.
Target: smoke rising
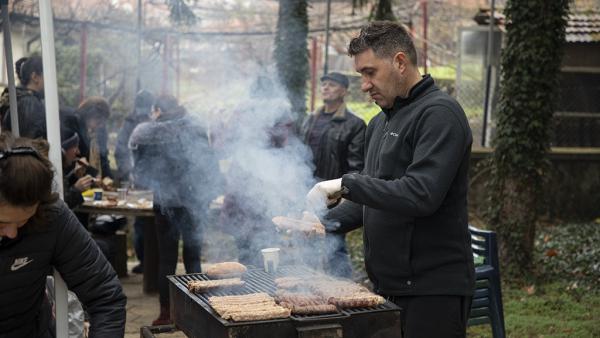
(264, 169)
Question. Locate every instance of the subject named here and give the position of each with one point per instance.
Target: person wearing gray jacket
(38, 233)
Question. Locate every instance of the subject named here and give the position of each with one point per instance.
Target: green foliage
(530, 66)
(546, 310)
(115, 81)
(554, 307)
(440, 72)
(364, 110)
(68, 69)
(569, 252)
(180, 14)
(291, 53)
(529, 69)
(380, 9)
(384, 11)
(354, 240)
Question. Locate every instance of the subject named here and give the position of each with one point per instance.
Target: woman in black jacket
(38, 232)
(30, 99)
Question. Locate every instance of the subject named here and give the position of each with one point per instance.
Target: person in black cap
(336, 137)
(75, 180)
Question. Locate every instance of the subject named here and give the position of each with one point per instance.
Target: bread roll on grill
(226, 270)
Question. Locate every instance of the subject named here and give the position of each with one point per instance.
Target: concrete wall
(573, 189)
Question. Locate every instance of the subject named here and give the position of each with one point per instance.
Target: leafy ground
(564, 298)
(547, 310)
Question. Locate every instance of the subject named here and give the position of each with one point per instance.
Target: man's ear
(400, 61)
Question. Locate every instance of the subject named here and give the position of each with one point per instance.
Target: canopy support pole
(10, 72)
(53, 130)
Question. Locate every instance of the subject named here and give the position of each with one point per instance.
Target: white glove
(324, 193)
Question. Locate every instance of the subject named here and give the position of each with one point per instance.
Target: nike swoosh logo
(16, 267)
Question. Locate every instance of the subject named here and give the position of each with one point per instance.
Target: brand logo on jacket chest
(19, 263)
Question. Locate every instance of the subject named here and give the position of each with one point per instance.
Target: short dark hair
(166, 103)
(385, 38)
(144, 99)
(94, 106)
(169, 107)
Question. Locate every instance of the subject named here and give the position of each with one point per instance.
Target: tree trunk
(291, 52)
(535, 34)
(384, 11)
(516, 225)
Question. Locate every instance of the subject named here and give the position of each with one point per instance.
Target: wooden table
(150, 262)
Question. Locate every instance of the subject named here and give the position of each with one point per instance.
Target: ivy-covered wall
(571, 194)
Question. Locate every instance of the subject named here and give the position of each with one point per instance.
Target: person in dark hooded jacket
(38, 232)
(172, 157)
(30, 99)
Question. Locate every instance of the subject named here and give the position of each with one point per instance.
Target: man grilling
(337, 139)
(411, 196)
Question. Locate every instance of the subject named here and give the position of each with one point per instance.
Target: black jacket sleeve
(88, 274)
(356, 147)
(440, 143)
(344, 218)
(304, 128)
(72, 196)
(122, 152)
(32, 117)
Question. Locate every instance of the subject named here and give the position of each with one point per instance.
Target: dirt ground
(142, 309)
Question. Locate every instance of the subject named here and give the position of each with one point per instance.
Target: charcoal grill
(193, 315)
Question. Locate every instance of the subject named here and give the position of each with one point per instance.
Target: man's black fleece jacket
(412, 197)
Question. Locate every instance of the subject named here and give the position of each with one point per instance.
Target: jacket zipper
(381, 140)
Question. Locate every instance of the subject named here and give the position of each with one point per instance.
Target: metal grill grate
(260, 281)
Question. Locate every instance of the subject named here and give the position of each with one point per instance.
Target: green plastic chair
(486, 307)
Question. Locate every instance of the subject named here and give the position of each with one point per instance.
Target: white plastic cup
(270, 259)
(122, 194)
